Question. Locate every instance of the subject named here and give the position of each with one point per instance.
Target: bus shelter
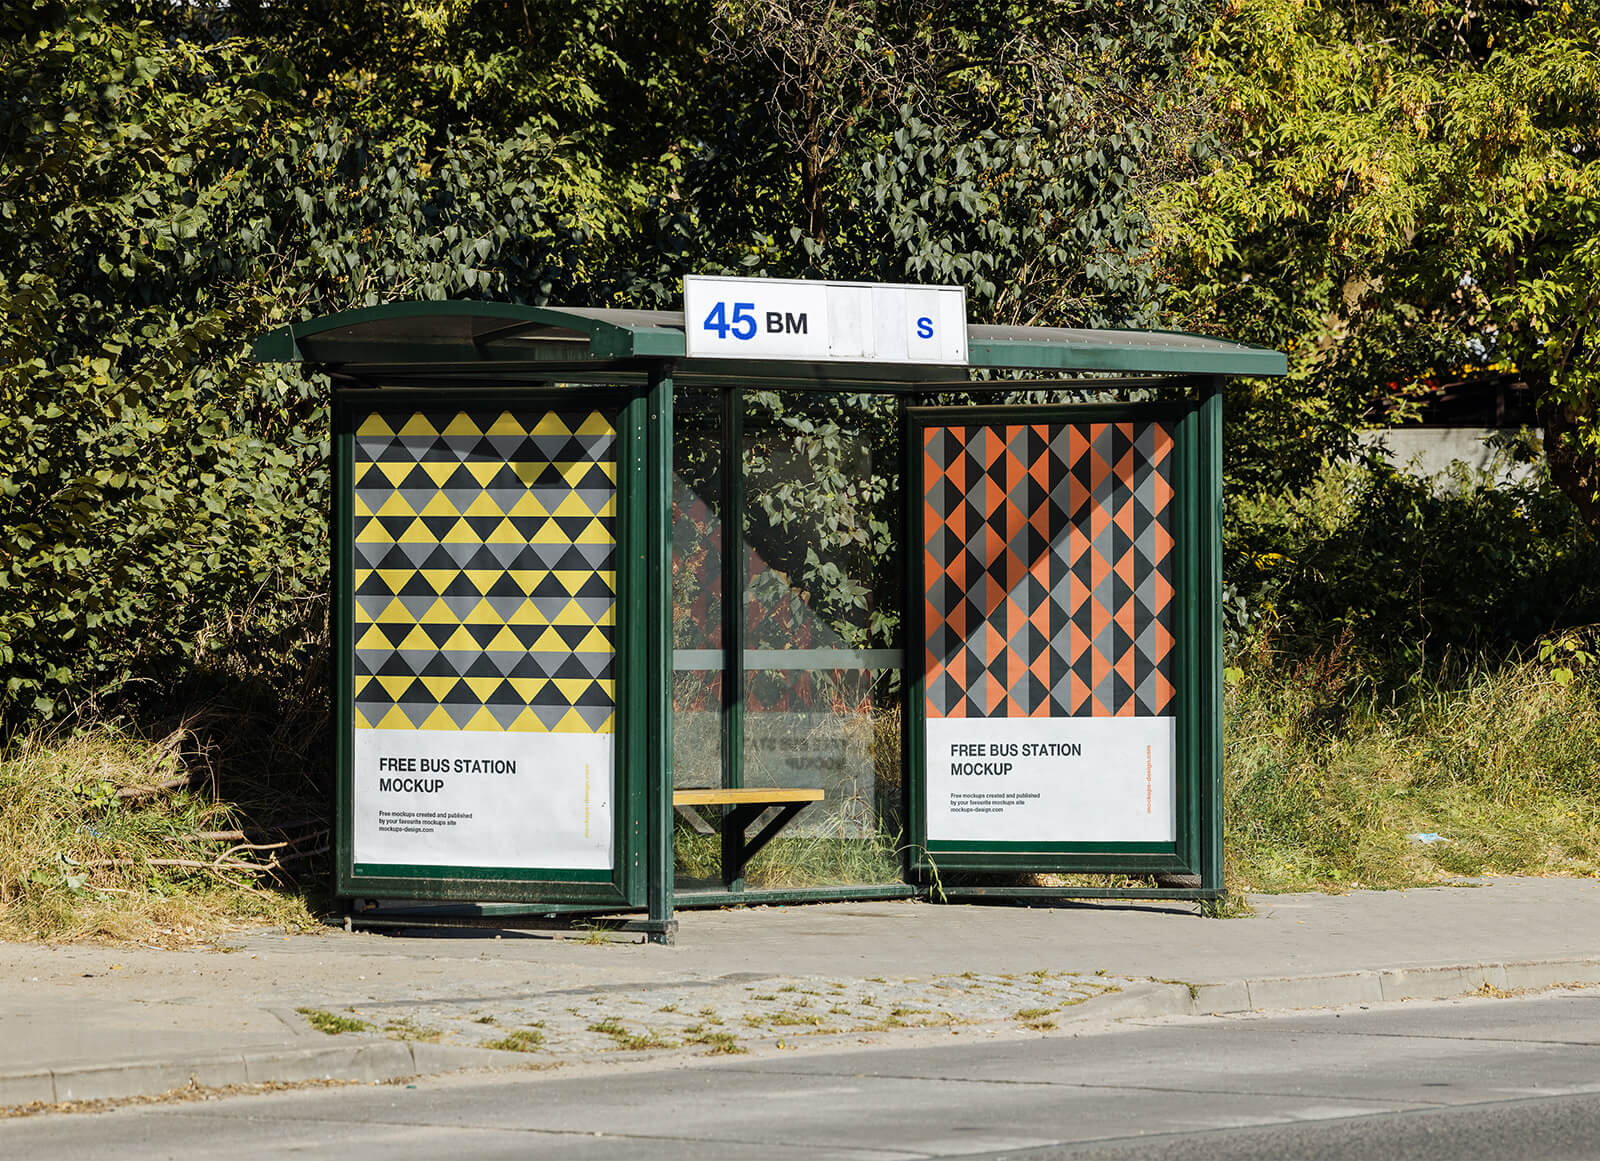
(810, 591)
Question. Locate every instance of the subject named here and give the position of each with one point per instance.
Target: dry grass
(1327, 795)
(104, 836)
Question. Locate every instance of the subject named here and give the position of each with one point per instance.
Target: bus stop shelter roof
(495, 341)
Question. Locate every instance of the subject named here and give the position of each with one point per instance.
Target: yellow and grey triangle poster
(484, 606)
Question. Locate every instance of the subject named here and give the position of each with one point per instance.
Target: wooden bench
(740, 808)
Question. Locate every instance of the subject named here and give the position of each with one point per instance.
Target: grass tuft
(332, 1023)
(718, 1043)
(518, 1040)
(405, 1028)
(627, 1039)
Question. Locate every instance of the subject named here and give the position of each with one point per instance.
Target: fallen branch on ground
(160, 788)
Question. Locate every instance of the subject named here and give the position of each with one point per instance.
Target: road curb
(1339, 989)
(366, 1061)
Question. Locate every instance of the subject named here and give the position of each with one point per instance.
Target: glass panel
(822, 668)
(837, 731)
(697, 522)
(697, 591)
(697, 762)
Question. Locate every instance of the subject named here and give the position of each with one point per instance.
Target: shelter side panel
(1049, 655)
(484, 586)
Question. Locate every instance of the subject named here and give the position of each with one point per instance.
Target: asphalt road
(1491, 1078)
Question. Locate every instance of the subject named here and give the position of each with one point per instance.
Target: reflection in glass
(838, 731)
(822, 597)
(697, 589)
(697, 523)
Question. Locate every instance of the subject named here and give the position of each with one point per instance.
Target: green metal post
(1209, 632)
(342, 627)
(633, 653)
(733, 616)
(913, 778)
(657, 610)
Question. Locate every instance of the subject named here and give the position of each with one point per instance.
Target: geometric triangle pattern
(1048, 566)
(485, 571)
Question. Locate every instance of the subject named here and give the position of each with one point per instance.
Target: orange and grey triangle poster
(484, 608)
(1048, 606)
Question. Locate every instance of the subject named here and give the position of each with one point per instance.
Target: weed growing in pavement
(792, 1019)
(627, 1039)
(405, 1028)
(1230, 905)
(598, 931)
(331, 1023)
(518, 1040)
(719, 1043)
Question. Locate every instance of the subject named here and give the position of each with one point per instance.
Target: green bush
(162, 202)
(1414, 579)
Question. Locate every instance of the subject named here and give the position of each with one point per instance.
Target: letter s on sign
(924, 327)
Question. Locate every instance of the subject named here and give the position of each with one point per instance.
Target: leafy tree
(163, 201)
(1409, 187)
(1010, 147)
(615, 88)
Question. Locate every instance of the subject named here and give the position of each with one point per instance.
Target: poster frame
(1196, 479)
(623, 885)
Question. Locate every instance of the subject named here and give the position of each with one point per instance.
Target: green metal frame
(732, 561)
(624, 885)
(1196, 849)
(656, 688)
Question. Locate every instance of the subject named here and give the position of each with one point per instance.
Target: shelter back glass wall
(814, 671)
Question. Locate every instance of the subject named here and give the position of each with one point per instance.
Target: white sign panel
(1083, 779)
(855, 322)
(468, 799)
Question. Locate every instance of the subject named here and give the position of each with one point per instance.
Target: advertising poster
(485, 612)
(1048, 568)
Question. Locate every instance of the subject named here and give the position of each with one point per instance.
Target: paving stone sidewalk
(727, 1015)
(81, 1022)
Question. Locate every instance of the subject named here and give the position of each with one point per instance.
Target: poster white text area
(1025, 780)
(464, 799)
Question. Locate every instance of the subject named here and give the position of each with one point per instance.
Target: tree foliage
(162, 500)
(1381, 189)
(1409, 188)
(178, 178)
